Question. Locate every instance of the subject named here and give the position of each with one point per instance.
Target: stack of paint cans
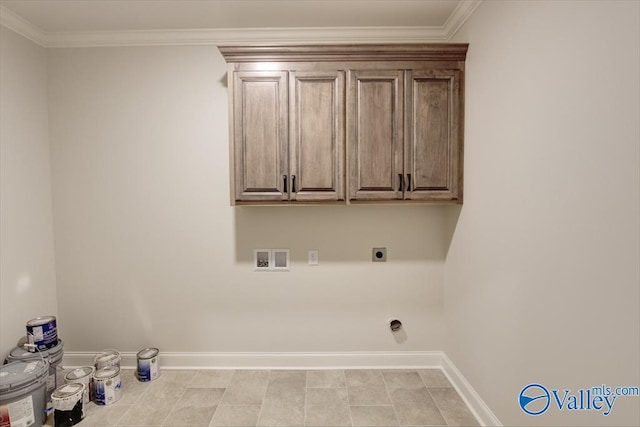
(83, 376)
(107, 384)
(42, 343)
(53, 356)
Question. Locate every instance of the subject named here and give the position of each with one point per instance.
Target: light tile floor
(285, 398)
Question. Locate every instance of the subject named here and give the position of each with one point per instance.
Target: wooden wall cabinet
(346, 123)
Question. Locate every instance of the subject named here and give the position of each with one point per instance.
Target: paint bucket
(53, 356)
(107, 358)
(68, 406)
(22, 392)
(84, 376)
(148, 364)
(42, 333)
(107, 385)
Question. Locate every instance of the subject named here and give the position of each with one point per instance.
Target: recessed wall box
(271, 259)
(379, 255)
(280, 259)
(262, 259)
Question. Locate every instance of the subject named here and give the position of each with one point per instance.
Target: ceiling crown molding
(244, 36)
(459, 16)
(241, 36)
(22, 26)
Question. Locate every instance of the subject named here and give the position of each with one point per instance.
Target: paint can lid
(79, 373)
(39, 321)
(107, 372)
(21, 373)
(22, 353)
(67, 390)
(148, 353)
(106, 356)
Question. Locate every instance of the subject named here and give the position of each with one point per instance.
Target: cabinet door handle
(400, 182)
(408, 182)
(293, 183)
(284, 178)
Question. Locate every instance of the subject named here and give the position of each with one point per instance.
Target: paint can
(55, 377)
(42, 333)
(148, 364)
(22, 392)
(107, 385)
(84, 376)
(68, 405)
(107, 358)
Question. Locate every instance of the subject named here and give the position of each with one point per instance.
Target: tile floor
(285, 398)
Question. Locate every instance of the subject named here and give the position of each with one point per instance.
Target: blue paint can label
(42, 333)
(148, 364)
(107, 385)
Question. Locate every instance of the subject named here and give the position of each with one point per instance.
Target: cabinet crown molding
(348, 52)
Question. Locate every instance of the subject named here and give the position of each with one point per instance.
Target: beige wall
(542, 276)
(150, 252)
(27, 267)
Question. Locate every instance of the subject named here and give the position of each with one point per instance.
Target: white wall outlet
(313, 256)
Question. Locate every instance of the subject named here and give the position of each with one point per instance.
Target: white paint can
(68, 406)
(148, 364)
(107, 385)
(83, 376)
(107, 358)
(42, 333)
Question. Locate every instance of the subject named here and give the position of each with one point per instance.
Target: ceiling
(54, 21)
(118, 15)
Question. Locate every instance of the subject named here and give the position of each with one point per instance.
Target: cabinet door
(375, 144)
(260, 153)
(433, 156)
(317, 135)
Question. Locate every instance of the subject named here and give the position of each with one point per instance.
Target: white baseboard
(251, 360)
(321, 360)
(480, 410)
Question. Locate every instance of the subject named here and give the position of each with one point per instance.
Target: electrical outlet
(379, 255)
(313, 256)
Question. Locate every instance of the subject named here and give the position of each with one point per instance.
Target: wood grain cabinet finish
(376, 135)
(260, 132)
(433, 149)
(346, 123)
(317, 135)
(288, 133)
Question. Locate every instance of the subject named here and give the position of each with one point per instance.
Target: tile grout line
(434, 401)
(390, 399)
(133, 403)
(263, 397)
(306, 389)
(186, 387)
(437, 406)
(221, 397)
(346, 387)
